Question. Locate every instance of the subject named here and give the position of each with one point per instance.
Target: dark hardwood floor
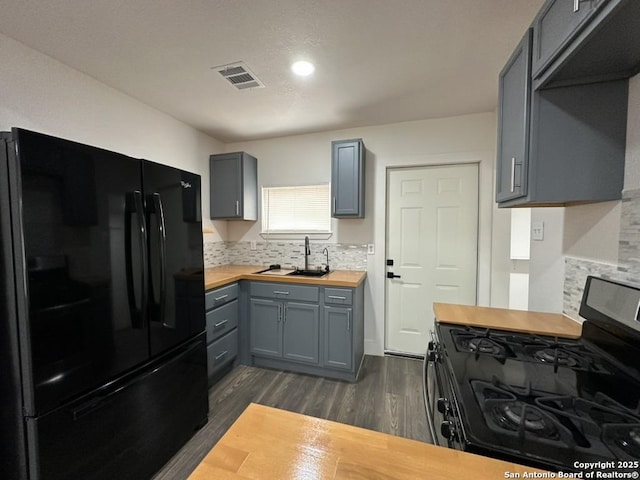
(387, 398)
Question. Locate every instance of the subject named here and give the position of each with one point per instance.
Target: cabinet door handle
(513, 174)
(280, 292)
(336, 297)
(219, 324)
(348, 321)
(284, 313)
(334, 204)
(576, 5)
(237, 207)
(219, 356)
(279, 313)
(217, 299)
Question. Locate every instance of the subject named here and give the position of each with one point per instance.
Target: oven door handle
(429, 358)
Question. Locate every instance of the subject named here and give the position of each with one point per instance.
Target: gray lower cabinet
(283, 329)
(222, 318)
(300, 334)
(265, 329)
(308, 329)
(338, 334)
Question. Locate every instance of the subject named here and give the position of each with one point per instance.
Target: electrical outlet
(253, 244)
(537, 230)
(370, 249)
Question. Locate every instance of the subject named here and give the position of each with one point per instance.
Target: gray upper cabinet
(234, 186)
(347, 178)
(585, 41)
(556, 24)
(514, 112)
(571, 139)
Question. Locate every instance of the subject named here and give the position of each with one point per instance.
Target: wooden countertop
(218, 276)
(270, 444)
(555, 324)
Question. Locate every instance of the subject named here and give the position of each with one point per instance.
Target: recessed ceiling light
(303, 68)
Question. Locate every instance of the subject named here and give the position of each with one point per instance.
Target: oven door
(439, 400)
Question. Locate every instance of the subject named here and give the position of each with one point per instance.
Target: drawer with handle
(338, 296)
(221, 352)
(285, 291)
(220, 296)
(222, 320)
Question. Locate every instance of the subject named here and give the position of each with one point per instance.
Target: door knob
(392, 275)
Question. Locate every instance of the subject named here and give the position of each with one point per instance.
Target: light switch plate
(370, 249)
(537, 230)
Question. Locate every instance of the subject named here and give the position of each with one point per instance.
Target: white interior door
(432, 239)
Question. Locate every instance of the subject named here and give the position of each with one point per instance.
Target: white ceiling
(377, 61)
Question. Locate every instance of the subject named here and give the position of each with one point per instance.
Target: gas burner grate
(511, 411)
(528, 348)
(520, 417)
(553, 356)
(601, 425)
(481, 343)
(623, 440)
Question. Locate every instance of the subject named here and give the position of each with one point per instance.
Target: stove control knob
(431, 345)
(442, 405)
(447, 430)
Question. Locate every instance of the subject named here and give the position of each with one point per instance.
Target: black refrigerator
(102, 341)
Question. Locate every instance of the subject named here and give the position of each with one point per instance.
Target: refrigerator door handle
(133, 203)
(144, 280)
(159, 210)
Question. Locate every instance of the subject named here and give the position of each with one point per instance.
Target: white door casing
(432, 238)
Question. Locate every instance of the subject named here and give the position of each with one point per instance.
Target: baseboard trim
(390, 353)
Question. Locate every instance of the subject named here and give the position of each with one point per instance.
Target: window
(299, 209)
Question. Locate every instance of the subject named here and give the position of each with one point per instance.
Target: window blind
(304, 209)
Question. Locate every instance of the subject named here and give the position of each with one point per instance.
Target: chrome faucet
(307, 252)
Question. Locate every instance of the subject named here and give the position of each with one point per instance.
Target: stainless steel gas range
(558, 404)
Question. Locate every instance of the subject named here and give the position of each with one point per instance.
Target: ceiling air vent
(239, 75)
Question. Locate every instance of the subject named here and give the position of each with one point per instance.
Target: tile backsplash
(576, 271)
(341, 256)
(215, 254)
(627, 269)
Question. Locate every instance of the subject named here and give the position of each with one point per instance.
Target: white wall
(590, 232)
(632, 158)
(546, 266)
(307, 159)
(42, 94)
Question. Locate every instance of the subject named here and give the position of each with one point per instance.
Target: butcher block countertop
(270, 444)
(215, 277)
(554, 324)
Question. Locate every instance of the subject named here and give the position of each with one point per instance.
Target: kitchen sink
(308, 273)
